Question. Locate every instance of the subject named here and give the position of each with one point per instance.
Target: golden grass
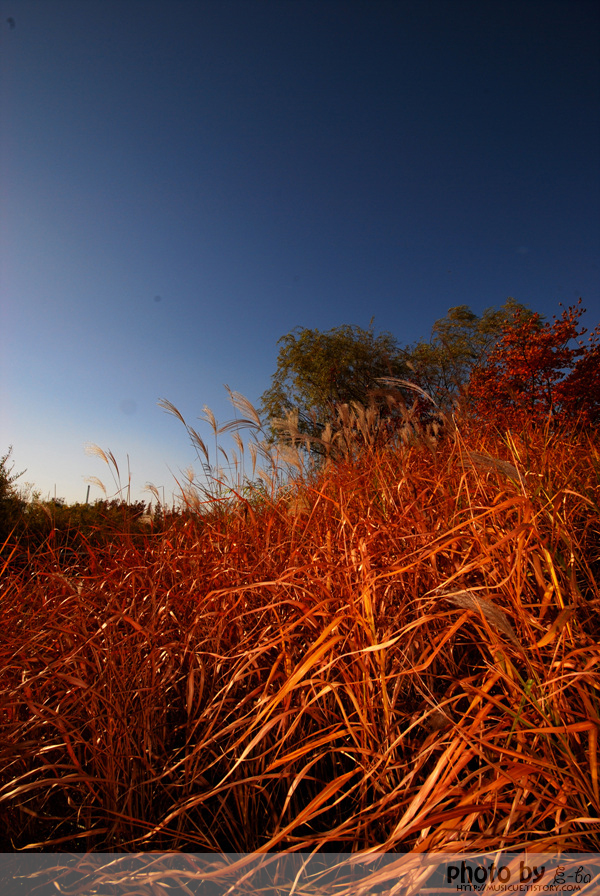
(397, 651)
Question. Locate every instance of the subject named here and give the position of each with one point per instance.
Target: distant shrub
(11, 503)
(72, 530)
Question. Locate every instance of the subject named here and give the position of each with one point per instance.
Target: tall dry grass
(397, 650)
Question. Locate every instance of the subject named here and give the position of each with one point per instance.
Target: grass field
(398, 650)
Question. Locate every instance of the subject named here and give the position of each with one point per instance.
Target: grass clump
(394, 650)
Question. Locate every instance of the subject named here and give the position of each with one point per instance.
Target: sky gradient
(183, 183)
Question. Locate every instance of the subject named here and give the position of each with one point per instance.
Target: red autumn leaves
(538, 371)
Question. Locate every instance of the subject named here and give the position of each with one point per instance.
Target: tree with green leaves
(319, 371)
(11, 503)
(459, 343)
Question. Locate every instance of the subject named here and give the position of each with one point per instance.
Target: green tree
(318, 371)
(459, 343)
(11, 503)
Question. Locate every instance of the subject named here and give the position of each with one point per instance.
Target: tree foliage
(318, 371)
(539, 370)
(459, 343)
(508, 363)
(11, 503)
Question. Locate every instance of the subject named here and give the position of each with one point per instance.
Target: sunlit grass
(397, 649)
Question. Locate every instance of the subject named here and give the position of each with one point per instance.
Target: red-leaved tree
(539, 370)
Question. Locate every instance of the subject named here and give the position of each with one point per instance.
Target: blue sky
(184, 182)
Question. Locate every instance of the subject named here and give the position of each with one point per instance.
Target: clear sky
(185, 181)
